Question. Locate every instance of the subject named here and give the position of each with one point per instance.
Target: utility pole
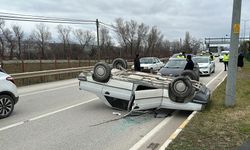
(97, 35)
(232, 66)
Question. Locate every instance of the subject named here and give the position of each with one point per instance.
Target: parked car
(8, 94)
(133, 91)
(222, 54)
(206, 66)
(175, 67)
(150, 64)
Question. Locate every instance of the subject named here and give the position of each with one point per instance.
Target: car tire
(213, 71)
(190, 74)
(181, 87)
(181, 99)
(6, 106)
(102, 72)
(119, 62)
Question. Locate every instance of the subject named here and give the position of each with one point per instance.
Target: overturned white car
(129, 90)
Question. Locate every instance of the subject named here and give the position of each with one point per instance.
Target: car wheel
(102, 72)
(191, 74)
(181, 87)
(213, 71)
(6, 106)
(119, 62)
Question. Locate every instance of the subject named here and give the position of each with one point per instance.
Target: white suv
(8, 94)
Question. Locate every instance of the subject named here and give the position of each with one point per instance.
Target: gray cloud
(202, 18)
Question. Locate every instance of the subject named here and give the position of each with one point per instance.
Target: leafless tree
(84, 38)
(154, 40)
(10, 41)
(19, 34)
(131, 35)
(141, 37)
(2, 43)
(122, 34)
(195, 45)
(127, 36)
(176, 46)
(105, 43)
(187, 43)
(166, 45)
(64, 36)
(41, 36)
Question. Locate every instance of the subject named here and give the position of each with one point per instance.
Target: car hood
(203, 64)
(171, 71)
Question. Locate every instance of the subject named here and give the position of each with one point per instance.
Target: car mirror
(154, 62)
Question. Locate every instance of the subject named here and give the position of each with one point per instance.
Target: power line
(43, 20)
(44, 17)
(111, 28)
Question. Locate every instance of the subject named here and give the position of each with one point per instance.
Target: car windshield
(146, 60)
(176, 63)
(201, 59)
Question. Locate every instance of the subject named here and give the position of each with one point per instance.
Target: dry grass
(218, 127)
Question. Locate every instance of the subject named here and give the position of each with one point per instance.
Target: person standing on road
(211, 56)
(240, 60)
(189, 64)
(225, 60)
(137, 64)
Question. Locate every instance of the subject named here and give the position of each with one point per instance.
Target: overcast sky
(202, 18)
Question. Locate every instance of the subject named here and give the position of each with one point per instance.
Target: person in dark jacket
(241, 60)
(190, 63)
(137, 64)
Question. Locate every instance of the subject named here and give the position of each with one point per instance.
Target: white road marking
(151, 133)
(214, 78)
(48, 90)
(46, 115)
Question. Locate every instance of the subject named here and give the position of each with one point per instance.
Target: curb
(177, 131)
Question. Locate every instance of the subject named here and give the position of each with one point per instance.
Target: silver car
(206, 66)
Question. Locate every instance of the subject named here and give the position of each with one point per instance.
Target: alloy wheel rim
(5, 106)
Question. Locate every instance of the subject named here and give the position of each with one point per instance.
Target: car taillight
(10, 79)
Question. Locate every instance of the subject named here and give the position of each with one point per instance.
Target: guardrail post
(23, 70)
(55, 63)
(68, 62)
(79, 61)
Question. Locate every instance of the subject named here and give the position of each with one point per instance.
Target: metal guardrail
(49, 72)
(52, 72)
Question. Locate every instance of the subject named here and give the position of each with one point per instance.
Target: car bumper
(202, 96)
(16, 99)
(204, 71)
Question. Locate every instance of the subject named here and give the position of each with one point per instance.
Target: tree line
(74, 43)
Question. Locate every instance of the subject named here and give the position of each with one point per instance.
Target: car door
(158, 64)
(118, 93)
(147, 97)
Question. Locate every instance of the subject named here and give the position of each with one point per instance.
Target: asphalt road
(56, 116)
